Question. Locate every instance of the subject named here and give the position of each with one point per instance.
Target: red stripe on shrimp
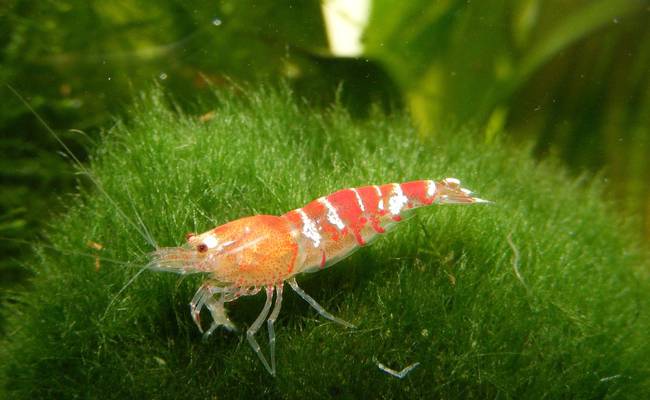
(294, 257)
(370, 199)
(323, 261)
(349, 209)
(374, 204)
(418, 192)
(317, 211)
(294, 218)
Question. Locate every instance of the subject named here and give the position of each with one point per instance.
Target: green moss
(442, 290)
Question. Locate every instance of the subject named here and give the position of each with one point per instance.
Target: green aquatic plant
(542, 294)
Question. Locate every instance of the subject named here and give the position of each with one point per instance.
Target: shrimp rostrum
(262, 252)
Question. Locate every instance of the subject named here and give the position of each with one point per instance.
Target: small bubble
(162, 76)
(109, 78)
(615, 20)
(216, 22)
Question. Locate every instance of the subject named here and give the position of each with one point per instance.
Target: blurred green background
(570, 76)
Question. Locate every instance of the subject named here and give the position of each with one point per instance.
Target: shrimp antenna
(142, 230)
(119, 292)
(148, 235)
(70, 252)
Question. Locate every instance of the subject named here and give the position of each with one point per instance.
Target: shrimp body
(334, 226)
(263, 251)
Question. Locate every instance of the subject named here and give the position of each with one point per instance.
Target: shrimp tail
(449, 191)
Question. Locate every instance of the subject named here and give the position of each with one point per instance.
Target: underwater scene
(325, 199)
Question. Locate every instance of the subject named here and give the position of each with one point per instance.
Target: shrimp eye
(202, 248)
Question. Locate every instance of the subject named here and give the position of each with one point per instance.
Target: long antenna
(83, 169)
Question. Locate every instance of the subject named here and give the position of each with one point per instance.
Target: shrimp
(244, 256)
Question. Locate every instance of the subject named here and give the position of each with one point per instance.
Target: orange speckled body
(243, 256)
(255, 251)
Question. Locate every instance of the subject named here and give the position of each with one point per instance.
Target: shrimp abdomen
(330, 228)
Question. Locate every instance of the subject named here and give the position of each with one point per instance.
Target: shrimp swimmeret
(243, 256)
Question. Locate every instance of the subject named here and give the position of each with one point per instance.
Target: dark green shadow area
(557, 311)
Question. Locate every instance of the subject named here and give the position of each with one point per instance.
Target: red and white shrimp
(243, 256)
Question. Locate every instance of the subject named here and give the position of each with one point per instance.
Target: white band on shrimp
(397, 201)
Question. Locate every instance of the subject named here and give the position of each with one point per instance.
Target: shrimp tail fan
(449, 191)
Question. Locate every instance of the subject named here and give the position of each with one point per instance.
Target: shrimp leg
(197, 303)
(205, 297)
(250, 333)
(219, 316)
(318, 307)
(271, 320)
